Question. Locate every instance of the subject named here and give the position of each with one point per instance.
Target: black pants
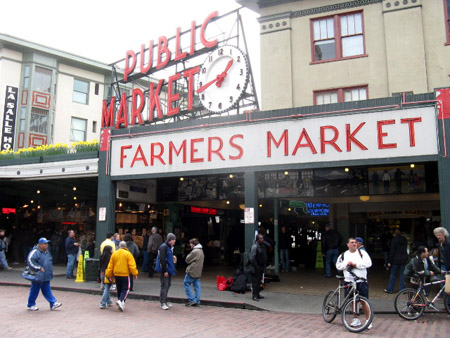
(256, 282)
(123, 287)
(151, 259)
(165, 286)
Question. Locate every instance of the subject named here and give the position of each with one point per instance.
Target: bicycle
(349, 307)
(410, 303)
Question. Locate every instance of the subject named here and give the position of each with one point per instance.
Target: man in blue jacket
(165, 265)
(71, 251)
(40, 259)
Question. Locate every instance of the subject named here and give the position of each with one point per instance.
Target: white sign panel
(102, 214)
(249, 215)
(398, 133)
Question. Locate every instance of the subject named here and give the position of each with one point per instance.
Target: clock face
(223, 79)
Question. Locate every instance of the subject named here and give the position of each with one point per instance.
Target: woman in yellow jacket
(121, 266)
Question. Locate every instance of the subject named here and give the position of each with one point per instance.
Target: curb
(230, 305)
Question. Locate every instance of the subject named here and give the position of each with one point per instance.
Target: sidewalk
(299, 292)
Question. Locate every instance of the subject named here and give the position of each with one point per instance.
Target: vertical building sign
(9, 118)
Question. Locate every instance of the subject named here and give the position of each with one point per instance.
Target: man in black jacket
(331, 242)
(257, 262)
(421, 265)
(444, 247)
(398, 257)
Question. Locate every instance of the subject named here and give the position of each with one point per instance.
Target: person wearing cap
(3, 260)
(40, 259)
(360, 243)
(165, 265)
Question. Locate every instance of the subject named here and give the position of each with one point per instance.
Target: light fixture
(346, 170)
(231, 176)
(38, 192)
(74, 198)
(286, 173)
(120, 205)
(260, 205)
(412, 165)
(364, 198)
(289, 209)
(242, 206)
(31, 201)
(25, 206)
(228, 202)
(38, 206)
(74, 188)
(181, 178)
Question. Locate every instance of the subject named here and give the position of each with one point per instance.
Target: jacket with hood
(398, 254)
(164, 260)
(121, 264)
(38, 259)
(195, 261)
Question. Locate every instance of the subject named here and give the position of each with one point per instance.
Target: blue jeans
(3, 261)
(284, 257)
(394, 269)
(332, 255)
(71, 259)
(145, 262)
(46, 291)
(188, 280)
(106, 298)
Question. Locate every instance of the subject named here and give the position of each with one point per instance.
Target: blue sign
(318, 209)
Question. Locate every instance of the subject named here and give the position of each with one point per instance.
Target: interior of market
(370, 202)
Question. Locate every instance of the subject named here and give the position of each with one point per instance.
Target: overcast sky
(104, 30)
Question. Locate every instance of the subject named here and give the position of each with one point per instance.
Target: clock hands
(219, 78)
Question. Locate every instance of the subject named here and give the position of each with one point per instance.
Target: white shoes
(120, 305)
(169, 304)
(55, 306)
(355, 322)
(370, 326)
(32, 308)
(164, 306)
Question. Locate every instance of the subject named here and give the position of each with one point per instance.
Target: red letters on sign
(129, 68)
(331, 142)
(351, 137)
(139, 156)
(271, 139)
(237, 147)
(137, 112)
(382, 145)
(108, 114)
(150, 58)
(163, 52)
(217, 150)
(172, 109)
(122, 154)
(122, 114)
(309, 143)
(412, 134)
(194, 150)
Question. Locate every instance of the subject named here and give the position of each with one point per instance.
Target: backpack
(240, 284)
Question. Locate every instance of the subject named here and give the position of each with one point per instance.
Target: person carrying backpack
(165, 265)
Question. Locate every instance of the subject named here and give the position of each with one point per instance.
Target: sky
(103, 30)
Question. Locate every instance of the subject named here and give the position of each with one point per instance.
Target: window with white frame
(78, 129)
(340, 95)
(42, 81)
(338, 37)
(38, 120)
(80, 91)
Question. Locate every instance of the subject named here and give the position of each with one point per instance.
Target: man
(398, 257)
(154, 242)
(145, 237)
(165, 265)
(360, 243)
(358, 261)
(71, 251)
(121, 266)
(444, 247)
(331, 242)
(285, 245)
(108, 241)
(194, 270)
(40, 259)
(422, 266)
(257, 261)
(3, 260)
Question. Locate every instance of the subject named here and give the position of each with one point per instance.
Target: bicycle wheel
(446, 304)
(408, 305)
(353, 316)
(330, 306)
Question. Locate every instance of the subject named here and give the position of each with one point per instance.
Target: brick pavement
(80, 317)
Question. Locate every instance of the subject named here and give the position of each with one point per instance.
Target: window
(338, 37)
(80, 91)
(78, 129)
(23, 116)
(38, 120)
(341, 95)
(26, 77)
(447, 18)
(42, 81)
(97, 88)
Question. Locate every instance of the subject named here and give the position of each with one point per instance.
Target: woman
(104, 261)
(134, 250)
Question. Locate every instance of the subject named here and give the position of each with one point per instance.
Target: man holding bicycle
(357, 261)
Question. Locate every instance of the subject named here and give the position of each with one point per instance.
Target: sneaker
(190, 304)
(355, 322)
(109, 304)
(164, 306)
(102, 306)
(387, 291)
(9, 268)
(169, 304)
(55, 306)
(113, 288)
(32, 308)
(369, 327)
(120, 305)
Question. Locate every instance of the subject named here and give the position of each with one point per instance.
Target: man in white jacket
(358, 261)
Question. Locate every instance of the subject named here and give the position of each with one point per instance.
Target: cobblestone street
(80, 316)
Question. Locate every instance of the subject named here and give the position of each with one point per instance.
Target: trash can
(91, 269)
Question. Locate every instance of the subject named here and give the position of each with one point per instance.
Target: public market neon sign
(164, 54)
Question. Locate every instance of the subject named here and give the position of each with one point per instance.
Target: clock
(223, 79)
